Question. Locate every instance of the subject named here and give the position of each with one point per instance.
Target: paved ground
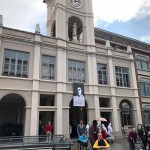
(119, 144)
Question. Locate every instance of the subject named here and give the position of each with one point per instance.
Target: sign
(78, 94)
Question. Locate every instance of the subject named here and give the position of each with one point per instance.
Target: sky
(129, 18)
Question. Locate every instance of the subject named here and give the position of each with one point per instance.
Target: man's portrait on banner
(78, 98)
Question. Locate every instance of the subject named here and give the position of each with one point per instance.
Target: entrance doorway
(77, 113)
(12, 115)
(44, 118)
(107, 116)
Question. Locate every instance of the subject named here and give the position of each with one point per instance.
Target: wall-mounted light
(81, 109)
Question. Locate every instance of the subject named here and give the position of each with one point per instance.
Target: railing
(35, 142)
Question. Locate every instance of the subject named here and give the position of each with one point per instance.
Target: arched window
(142, 63)
(126, 114)
(144, 87)
(79, 28)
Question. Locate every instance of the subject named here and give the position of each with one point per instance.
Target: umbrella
(102, 119)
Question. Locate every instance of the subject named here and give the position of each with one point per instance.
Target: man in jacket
(48, 131)
(132, 138)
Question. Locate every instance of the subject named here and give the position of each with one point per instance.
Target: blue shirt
(83, 138)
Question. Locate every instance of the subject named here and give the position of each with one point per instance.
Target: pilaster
(115, 116)
(134, 84)
(35, 87)
(61, 25)
(59, 114)
(61, 86)
(34, 114)
(1, 29)
(27, 121)
(97, 110)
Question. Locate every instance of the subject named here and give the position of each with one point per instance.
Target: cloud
(126, 17)
(136, 28)
(145, 38)
(23, 14)
(117, 10)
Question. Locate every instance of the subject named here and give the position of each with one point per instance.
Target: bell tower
(71, 20)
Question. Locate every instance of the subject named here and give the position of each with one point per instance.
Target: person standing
(81, 128)
(104, 133)
(40, 127)
(110, 133)
(93, 132)
(143, 135)
(48, 131)
(132, 138)
(87, 129)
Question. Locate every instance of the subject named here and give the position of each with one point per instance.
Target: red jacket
(104, 134)
(48, 127)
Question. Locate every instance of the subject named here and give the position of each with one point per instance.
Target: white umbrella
(102, 119)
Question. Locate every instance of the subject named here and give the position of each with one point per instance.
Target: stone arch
(127, 101)
(18, 93)
(141, 57)
(79, 24)
(12, 113)
(126, 112)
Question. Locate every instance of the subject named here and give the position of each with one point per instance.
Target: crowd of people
(98, 136)
(142, 135)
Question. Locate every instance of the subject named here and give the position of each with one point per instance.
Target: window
(122, 76)
(104, 102)
(48, 67)
(144, 87)
(146, 111)
(16, 63)
(142, 63)
(126, 114)
(47, 100)
(102, 74)
(76, 71)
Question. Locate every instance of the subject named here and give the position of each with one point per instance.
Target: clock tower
(71, 20)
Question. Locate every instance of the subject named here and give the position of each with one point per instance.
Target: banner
(78, 94)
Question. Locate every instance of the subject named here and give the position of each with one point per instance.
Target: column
(97, 110)
(34, 114)
(115, 116)
(27, 121)
(61, 25)
(93, 81)
(61, 87)
(1, 33)
(35, 88)
(60, 117)
(134, 82)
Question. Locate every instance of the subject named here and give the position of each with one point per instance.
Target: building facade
(37, 73)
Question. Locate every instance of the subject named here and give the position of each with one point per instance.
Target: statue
(81, 37)
(74, 29)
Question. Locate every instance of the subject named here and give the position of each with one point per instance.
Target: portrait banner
(78, 94)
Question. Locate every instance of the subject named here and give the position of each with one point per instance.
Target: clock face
(75, 3)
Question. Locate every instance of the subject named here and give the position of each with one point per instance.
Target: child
(83, 140)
